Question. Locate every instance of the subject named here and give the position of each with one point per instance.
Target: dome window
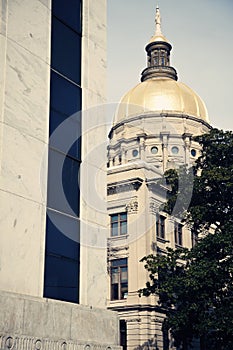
(135, 153)
(154, 150)
(193, 152)
(175, 150)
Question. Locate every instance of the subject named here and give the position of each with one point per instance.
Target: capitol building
(70, 270)
(152, 132)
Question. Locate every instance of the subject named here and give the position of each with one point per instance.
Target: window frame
(118, 287)
(160, 226)
(178, 234)
(119, 222)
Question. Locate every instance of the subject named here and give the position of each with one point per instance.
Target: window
(62, 257)
(175, 150)
(123, 334)
(154, 150)
(69, 14)
(135, 153)
(119, 279)
(193, 152)
(63, 193)
(61, 272)
(66, 51)
(178, 233)
(160, 226)
(118, 224)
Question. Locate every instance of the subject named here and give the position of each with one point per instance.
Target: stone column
(164, 137)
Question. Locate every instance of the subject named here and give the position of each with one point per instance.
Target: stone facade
(27, 320)
(152, 132)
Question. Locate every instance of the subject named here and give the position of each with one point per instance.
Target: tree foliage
(195, 287)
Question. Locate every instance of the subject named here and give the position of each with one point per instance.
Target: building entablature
(124, 185)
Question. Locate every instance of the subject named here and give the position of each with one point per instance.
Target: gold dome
(161, 95)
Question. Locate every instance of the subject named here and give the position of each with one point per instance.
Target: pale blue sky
(201, 33)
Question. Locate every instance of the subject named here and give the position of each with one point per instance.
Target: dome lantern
(159, 92)
(158, 54)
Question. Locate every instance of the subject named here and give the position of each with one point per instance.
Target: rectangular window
(69, 13)
(160, 226)
(65, 96)
(178, 228)
(63, 183)
(61, 278)
(66, 51)
(119, 279)
(61, 272)
(123, 334)
(118, 224)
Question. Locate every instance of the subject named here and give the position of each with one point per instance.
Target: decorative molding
(124, 185)
(132, 206)
(21, 342)
(153, 207)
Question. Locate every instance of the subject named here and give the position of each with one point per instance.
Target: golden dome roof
(161, 95)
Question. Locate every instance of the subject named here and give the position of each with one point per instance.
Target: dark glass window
(119, 279)
(193, 152)
(118, 224)
(69, 13)
(62, 258)
(70, 130)
(178, 228)
(66, 51)
(67, 201)
(65, 97)
(63, 235)
(61, 276)
(160, 226)
(123, 334)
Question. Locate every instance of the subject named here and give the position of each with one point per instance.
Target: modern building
(152, 131)
(53, 64)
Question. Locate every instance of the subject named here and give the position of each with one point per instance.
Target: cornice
(132, 184)
(149, 115)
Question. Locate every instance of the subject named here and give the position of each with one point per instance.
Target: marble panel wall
(94, 218)
(24, 109)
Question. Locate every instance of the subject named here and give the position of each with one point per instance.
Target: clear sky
(201, 33)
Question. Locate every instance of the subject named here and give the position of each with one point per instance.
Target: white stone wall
(93, 290)
(24, 117)
(25, 31)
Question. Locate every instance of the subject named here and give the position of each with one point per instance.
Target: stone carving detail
(132, 206)
(9, 343)
(38, 344)
(64, 346)
(20, 342)
(153, 207)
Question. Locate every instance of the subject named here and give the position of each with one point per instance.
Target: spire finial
(157, 22)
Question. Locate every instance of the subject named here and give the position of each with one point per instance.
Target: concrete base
(42, 324)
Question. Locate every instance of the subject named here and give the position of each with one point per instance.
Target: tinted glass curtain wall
(61, 275)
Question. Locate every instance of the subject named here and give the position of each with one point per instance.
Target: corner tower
(152, 131)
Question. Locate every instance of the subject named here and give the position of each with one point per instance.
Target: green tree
(195, 287)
